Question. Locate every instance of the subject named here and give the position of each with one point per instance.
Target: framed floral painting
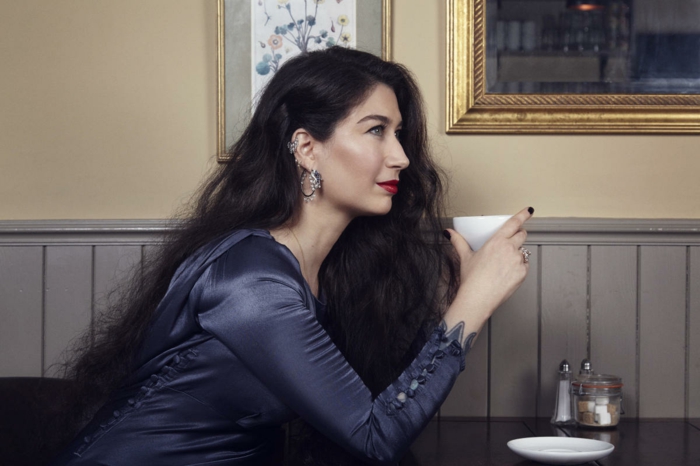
(256, 37)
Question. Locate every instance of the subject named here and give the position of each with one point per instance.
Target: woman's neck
(310, 237)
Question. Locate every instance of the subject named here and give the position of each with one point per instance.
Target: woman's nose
(397, 157)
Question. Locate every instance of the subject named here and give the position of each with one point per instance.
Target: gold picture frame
(471, 110)
(378, 40)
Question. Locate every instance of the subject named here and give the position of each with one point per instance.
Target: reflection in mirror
(593, 46)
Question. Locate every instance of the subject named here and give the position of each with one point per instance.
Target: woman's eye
(397, 133)
(377, 130)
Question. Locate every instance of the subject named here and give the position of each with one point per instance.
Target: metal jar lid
(599, 381)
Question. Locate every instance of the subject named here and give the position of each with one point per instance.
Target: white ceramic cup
(478, 230)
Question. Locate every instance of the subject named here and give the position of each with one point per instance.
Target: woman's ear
(305, 149)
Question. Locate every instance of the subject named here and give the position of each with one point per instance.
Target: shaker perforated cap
(564, 366)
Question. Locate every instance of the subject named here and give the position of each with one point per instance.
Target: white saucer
(560, 450)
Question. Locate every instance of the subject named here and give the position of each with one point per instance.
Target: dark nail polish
(531, 210)
(446, 234)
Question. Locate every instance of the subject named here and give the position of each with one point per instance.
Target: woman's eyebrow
(381, 118)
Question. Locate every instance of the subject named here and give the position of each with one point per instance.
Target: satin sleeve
(254, 300)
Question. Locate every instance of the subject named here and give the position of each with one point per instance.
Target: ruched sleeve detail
(255, 301)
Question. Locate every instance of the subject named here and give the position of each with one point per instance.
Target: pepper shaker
(562, 407)
(586, 368)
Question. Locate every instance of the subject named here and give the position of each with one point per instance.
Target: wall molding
(613, 231)
(601, 231)
(83, 232)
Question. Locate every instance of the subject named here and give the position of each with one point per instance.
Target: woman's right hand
(487, 277)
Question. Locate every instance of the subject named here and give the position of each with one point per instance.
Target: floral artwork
(284, 28)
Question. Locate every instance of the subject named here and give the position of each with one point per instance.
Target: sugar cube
(599, 409)
(604, 419)
(602, 400)
(584, 406)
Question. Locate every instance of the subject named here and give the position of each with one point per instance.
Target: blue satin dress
(235, 351)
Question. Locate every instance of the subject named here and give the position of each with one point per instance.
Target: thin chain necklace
(301, 250)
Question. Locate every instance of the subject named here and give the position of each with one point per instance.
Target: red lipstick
(391, 185)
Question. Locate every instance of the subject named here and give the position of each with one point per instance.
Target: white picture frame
(234, 56)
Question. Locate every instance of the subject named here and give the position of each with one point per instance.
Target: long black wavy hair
(386, 280)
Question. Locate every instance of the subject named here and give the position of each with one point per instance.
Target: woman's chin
(382, 209)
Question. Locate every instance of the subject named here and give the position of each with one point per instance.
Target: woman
(304, 269)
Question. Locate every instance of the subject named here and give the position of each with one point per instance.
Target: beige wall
(108, 110)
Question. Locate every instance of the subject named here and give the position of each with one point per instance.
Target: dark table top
(466, 442)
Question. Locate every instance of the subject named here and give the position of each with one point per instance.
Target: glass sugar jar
(597, 400)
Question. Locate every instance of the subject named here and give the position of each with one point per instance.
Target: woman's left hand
(490, 275)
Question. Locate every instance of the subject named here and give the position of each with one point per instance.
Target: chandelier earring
(314, 182)
(314, 176)
(292, 146)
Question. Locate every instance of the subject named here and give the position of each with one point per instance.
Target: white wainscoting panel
(21, 309)
(613, 337)
(693, 384)
(662, 331)
(514, 348)
(113, 265)
(623, 293)
(67, 300)
(564, 318)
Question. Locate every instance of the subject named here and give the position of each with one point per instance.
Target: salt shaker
(562, 408)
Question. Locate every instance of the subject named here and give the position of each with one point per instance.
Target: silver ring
(526, 255)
